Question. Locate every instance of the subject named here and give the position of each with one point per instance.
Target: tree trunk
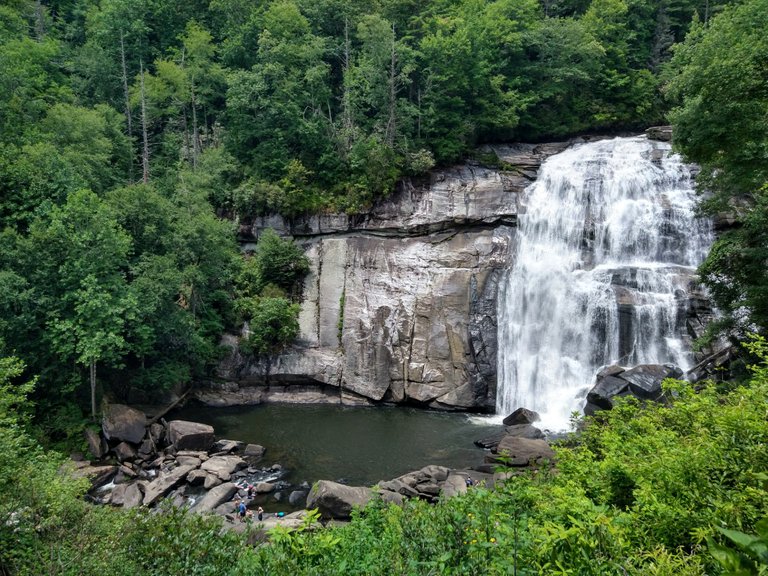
(93, 389)
(145, 139)
(127, 104)
(391, 122)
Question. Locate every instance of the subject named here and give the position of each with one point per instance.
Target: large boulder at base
(215, 497)
(516, 451)
(645, 380)
(521, 416)
(186, 435)
(606, 388)
(335, 500)
(164, 483)
(121, 422)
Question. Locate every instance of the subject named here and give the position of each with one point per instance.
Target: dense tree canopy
(719, 77)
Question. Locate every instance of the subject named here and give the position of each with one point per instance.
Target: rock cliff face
(400, 303)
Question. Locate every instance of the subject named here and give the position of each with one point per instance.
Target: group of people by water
(241, 506)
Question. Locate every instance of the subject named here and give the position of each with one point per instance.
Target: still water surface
(358, 445)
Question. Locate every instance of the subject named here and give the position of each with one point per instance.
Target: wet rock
(661, 133)
(437, 473)
(521, 416)
(492, 440)
(605, 389)
(524, 431)
(515, 451)
(645, 380)
(117, 498)
(188, 461)
(211, 481)
(121, 422)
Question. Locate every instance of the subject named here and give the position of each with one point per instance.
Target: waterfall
(607, 246)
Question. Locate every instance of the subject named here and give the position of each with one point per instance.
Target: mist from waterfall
(607, 246)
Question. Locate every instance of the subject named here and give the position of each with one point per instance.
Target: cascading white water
(606, 248)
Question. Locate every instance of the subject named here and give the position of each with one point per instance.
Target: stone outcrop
(122, 422)
(400, 303)
(518, 451)
(642, 382)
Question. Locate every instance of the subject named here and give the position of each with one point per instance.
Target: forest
(136, 134)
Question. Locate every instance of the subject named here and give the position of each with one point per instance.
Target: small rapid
(606, 250)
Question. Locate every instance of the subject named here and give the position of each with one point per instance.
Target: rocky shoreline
(138, 463)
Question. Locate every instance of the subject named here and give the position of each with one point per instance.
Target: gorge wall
(400, 304)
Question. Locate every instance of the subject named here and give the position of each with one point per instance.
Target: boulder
(606, 388)
(492, 440)
(455, 484)
(645, 380)
(254, 452)
(164, 483)
(197, 477)
(121, 422)
(133, 495)
(335, 500)
(215, 497)
(662, 133)
(610, 370)
(211, 481)
(96, 444)
(228, 446)
(521, 416)
(524, 431)
(437, 473)
(186, 435)
(157, 433)
(188, 461)
(117, 498)
(124, 451)
(516, 451)
(223, 466)
(297, 497)
(263, 487)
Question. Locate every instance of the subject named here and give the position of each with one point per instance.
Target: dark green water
(358, 445)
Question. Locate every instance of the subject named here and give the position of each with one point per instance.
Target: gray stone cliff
(400, 303)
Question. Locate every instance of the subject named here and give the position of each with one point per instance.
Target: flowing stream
(606, 250)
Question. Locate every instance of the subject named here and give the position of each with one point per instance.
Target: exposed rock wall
(400, 303)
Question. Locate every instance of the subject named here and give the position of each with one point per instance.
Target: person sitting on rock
(251, 490)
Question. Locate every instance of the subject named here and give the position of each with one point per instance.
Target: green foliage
(272, 324)
(717, 78)
(744, 554)
(275, 261)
